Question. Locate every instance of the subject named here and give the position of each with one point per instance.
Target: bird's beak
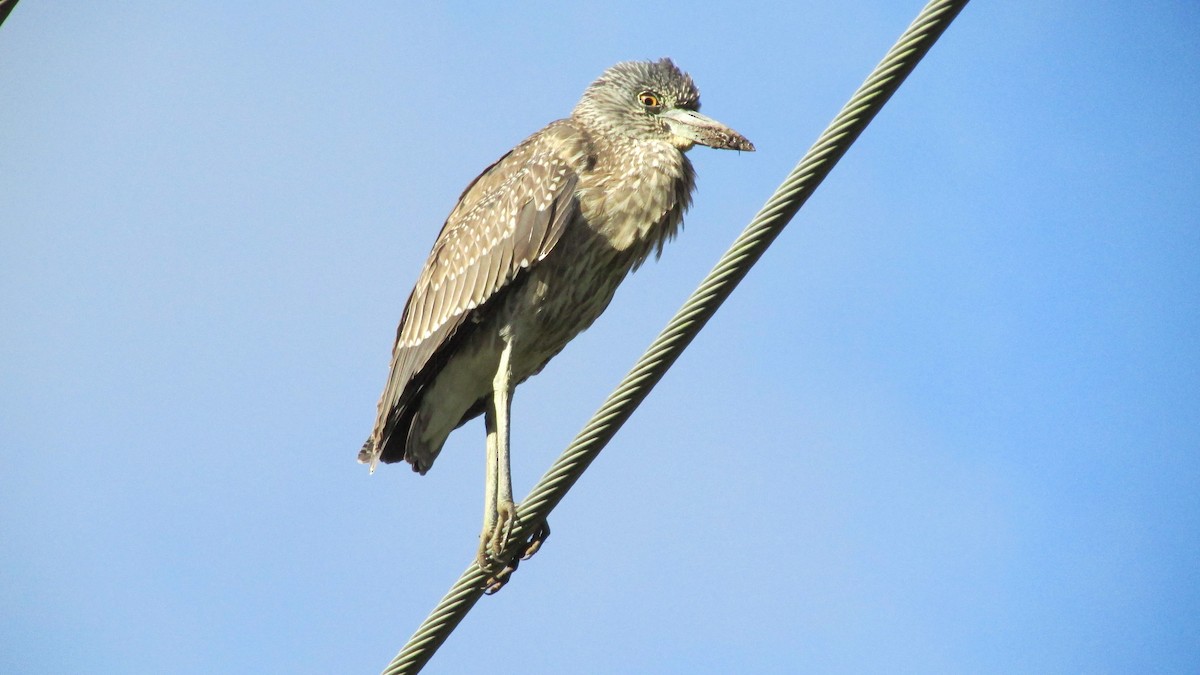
(691, 127)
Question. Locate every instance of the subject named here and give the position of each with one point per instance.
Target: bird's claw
(491, 549)
(539, 537)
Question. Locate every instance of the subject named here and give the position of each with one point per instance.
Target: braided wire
(6, 8)
(733, 266)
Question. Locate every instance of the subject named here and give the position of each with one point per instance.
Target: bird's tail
(369, 454)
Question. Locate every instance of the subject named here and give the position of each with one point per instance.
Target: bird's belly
(558, 301)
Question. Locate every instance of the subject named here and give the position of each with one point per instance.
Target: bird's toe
(539, 537)
(506, 518)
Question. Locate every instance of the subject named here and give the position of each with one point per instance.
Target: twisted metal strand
(6, 8)
(687, 322)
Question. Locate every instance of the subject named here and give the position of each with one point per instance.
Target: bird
(528, 258)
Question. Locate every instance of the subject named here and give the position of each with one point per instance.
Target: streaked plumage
(531, 255)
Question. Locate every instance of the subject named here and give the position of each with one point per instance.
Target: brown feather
(516, 234)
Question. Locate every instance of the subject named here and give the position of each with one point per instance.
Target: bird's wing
(509, 218)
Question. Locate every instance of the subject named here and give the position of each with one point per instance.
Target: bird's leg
(489, 493)
(500, 515)
(506, 510)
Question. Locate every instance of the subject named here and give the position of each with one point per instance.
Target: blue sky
(949, 423)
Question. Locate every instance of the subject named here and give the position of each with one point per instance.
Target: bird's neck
(636, 193)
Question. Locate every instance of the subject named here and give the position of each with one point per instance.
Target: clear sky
(950, 422)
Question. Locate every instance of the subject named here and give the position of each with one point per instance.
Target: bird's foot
(491, 556)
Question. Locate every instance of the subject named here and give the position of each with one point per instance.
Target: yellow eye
(649, 99)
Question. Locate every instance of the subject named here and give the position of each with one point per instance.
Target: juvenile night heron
(529, 257)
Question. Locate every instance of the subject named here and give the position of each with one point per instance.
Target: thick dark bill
(704, 130)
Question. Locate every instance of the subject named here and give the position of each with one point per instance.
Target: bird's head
(653, 100)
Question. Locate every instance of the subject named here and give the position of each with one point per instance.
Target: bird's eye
(649, 99)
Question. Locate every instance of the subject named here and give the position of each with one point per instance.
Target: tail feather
(369, 454)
